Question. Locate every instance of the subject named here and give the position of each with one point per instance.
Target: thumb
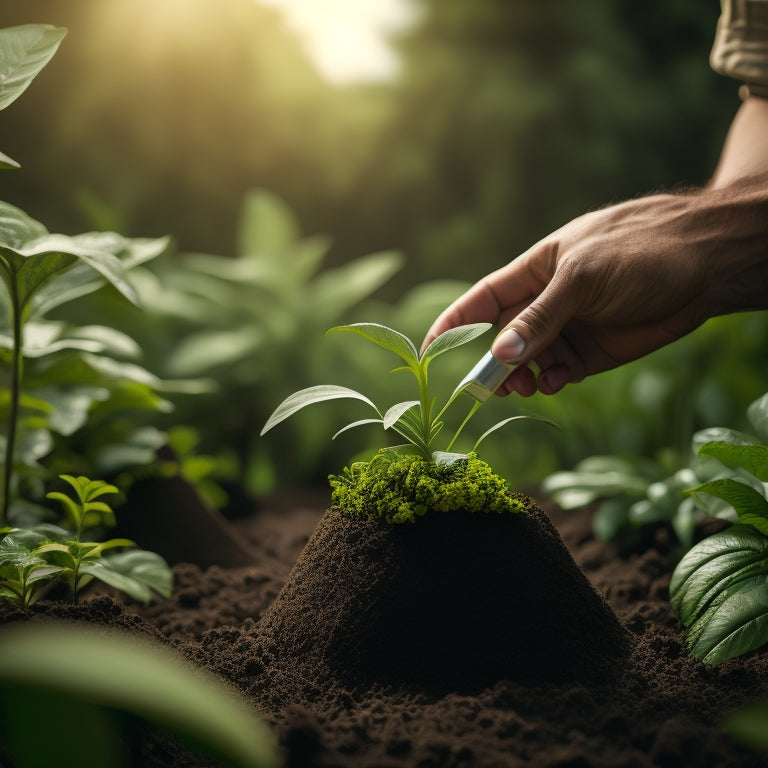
(537, 326)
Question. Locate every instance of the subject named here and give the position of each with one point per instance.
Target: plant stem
(475, 405)
(17, 361)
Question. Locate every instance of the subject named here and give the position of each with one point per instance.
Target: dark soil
(454, 642)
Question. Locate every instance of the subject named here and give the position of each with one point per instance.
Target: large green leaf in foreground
(86, 687)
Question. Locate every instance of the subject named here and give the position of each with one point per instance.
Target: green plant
(90, 688)
(720, 587)
(632, 493)
(420, 422)
(29, 558)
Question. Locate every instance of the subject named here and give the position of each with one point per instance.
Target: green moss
(401, 489)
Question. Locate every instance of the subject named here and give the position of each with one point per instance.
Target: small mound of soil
(454, 601)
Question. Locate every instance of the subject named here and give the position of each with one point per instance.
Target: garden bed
(658, 707)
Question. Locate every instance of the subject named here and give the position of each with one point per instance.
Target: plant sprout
(420, 422)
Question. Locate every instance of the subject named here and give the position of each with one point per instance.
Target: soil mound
(455, 600)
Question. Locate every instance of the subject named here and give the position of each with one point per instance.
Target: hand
(616, 284)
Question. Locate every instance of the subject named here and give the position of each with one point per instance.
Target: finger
(477, 305)
(536, 327)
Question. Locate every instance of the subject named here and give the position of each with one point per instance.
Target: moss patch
(401, 489)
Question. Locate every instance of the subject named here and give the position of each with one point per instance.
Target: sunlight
(347, 39)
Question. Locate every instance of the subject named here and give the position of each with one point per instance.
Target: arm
(616, 284)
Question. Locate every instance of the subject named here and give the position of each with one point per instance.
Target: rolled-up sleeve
(740, 49)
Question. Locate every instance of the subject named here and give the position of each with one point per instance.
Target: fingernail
(508, 346)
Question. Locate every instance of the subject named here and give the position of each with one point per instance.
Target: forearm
(745, 152)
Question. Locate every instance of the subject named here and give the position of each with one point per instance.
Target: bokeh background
(453, 133)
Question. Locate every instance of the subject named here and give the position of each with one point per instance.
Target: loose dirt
(563, 654)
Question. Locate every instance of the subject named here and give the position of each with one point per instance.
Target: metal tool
(487, 376)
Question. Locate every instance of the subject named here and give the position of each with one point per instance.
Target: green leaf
(454, 337)
(24, 51)
(266, 224)
(720, 591)
(749, 726)
(354, 424)
(336, 290)
(309, 396)
(757, 413)
(385, 337)
(8, 163)
(127, 677)
(753, 458)
(504, 422)
(447, 458)
(144, 567)
(750, 505)
(396, 411)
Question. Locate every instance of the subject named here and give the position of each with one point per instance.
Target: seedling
(420, 422)
(45, 553)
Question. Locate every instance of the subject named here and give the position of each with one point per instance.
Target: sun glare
(347, 39)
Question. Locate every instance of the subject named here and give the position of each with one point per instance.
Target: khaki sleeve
(740, 49)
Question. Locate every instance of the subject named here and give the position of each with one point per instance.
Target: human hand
(610, 287)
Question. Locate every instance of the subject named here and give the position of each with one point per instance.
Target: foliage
(630, 493)
(747, 725)
(35, 556)
(246, 325)
(419, 422)
(720, 587)
(399, 489)
(89, 687)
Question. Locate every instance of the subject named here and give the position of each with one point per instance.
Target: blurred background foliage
(207, 121)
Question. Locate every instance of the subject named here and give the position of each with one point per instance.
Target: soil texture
(445, 646)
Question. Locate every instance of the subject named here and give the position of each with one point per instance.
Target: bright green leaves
(413, 420)
(85, 510)
(386, 338)
(720, 587)
(720, 590)
(30, 557)
(24, 51)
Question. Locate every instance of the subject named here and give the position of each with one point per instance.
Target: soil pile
(454, 601)
(661, 708)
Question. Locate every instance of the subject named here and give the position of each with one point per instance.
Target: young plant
(720, 587)
(45, 553)
(420, 422)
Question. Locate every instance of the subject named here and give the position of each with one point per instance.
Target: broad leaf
(720, 591)
(308, 396)
(24, 51)
(336, 290)
(384, 337)
(753, 458)
(127, 675)
(750, 505)
(454, 337)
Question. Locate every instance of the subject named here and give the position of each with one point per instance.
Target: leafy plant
(243, 323)
(631, 493)
(31, 557)
(720, 587)
(420, 422)
(90, 687)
